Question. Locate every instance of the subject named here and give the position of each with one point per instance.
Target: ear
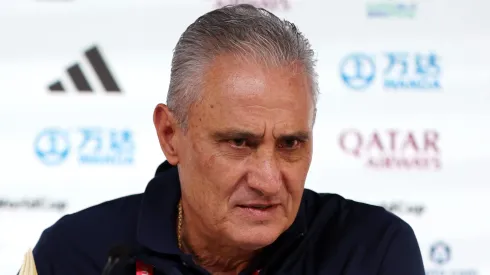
(166, 127)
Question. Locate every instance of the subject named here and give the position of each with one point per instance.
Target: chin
(255, 237)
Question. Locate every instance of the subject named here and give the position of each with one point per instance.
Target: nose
(265, 175)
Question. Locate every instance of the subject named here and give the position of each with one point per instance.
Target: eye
(290, 143)
(238, 142)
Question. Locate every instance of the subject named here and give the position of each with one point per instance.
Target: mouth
(258, 212)
(258, 206)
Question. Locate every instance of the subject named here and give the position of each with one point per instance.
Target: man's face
(244, 158)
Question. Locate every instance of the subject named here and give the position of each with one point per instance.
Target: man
(230, 199)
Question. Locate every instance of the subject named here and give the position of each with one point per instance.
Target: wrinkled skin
(248, 141)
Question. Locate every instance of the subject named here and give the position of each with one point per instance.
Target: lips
(257, 206)
(258, 212)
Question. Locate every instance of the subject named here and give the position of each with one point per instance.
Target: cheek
(295, 187)
(223, 173)
(295, 178)
(214, 172)
(193, 164)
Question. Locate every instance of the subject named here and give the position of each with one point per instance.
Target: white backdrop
(420, 150)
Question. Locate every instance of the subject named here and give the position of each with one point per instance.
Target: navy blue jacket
(331, 235)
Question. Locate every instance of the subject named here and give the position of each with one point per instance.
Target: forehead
(233, 81)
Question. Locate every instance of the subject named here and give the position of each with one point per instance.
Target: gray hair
(239, 29)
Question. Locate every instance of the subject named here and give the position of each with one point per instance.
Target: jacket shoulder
(377, 239)
(349, 214)
(96, 219)
(86, 235)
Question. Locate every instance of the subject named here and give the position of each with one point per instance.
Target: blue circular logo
(357, 71)
(440, 253)
(52, 146)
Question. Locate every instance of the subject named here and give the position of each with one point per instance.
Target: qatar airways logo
(272, 5)
(393, 148)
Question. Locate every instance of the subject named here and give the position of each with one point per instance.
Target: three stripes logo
(79, 79)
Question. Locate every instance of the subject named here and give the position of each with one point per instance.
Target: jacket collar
(157, 221)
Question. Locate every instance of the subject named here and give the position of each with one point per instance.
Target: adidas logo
(79, 79)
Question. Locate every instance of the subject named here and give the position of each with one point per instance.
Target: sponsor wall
(403, 117)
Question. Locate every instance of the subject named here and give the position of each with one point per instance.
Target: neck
(217, 260)
(211, 253)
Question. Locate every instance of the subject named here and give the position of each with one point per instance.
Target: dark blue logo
(92, 145)
(398, 71)
(52, 146)
(440, 253)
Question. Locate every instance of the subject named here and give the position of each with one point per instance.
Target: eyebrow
(301, 135)
(240, 134)
(236, 134)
